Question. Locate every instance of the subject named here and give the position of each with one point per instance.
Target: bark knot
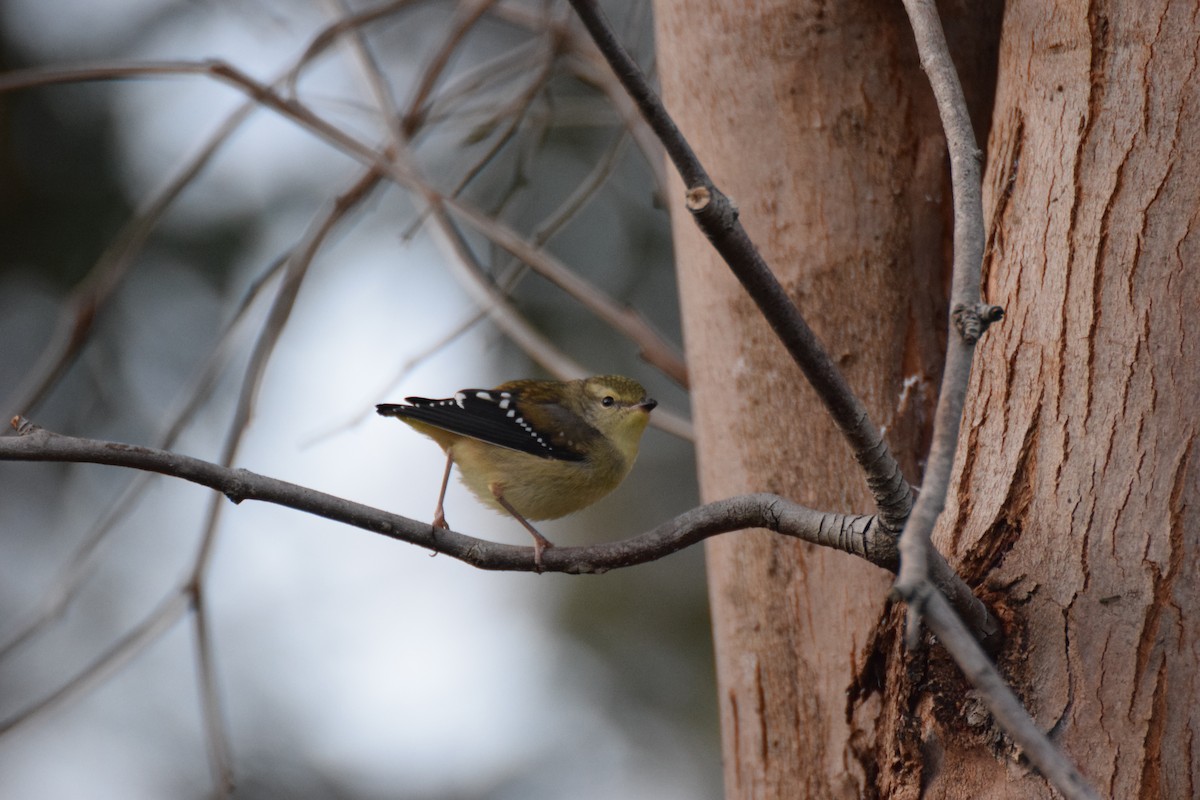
(971, 321)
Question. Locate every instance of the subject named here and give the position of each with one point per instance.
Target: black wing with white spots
(493, 416)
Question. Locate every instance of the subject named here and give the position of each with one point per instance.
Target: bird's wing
(491, 416)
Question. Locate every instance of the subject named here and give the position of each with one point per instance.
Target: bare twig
(852, 534)
(458, 97)
(413, 118)
(295, 271)
(653, 348)
(717, 218)
(625, 320)
(349, 23)
(90, 296)
(967, 190)
(534, 75)
(855, 534)
(583, 193)
(220, 754)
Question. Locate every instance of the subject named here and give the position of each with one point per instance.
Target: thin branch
(1051, 762)
(624, 319)
(347, 24)
(220, 754)
(589, 67)
(967, 188)
(653, 348)
(969, 319)
(458, 99)
(583, 193)
(413, 118)
(857, 535)
(295, 271)
(717, 218)
(89, 298)
(514, 113)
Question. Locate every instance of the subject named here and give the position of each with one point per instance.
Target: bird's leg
(540, 543)
(439, 513)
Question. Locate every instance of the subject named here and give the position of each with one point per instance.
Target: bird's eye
(608, 400)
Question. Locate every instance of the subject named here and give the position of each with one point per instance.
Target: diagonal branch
(169, 611)
(87, 301)
(1005, 706)
(717, 218)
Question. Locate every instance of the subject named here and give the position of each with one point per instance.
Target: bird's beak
(647, 405)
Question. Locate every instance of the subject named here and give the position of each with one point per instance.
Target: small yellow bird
(536, 449)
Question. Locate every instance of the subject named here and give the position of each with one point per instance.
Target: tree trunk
(817, 120)
(1078, 478)
(1075, 503)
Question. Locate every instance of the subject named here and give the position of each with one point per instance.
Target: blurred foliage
(633, 645)
(59, 200)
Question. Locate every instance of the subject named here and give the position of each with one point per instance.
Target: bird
(535, 449)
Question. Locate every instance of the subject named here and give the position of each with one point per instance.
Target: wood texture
(1078, 478)
(817, 121)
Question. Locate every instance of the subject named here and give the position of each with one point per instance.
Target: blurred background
(185, 268)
